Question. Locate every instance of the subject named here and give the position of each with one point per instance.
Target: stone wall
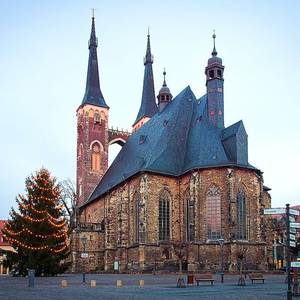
(137, 247)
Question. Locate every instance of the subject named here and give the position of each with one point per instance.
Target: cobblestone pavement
(156, 287)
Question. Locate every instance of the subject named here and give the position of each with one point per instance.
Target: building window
(164, 216)
(96, 157)
(211, 74)
(219, 73)
(241, 216)
(97, 117)
(213, 213)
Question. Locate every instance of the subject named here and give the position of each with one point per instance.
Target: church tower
(215, 89)
(92, 129)
(148, 106)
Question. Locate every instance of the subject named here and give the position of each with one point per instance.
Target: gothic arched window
(213, 213)
(164, 216)
(241, 215)
(96, 157)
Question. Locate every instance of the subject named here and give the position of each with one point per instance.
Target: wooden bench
(256, 277)
(207, 277)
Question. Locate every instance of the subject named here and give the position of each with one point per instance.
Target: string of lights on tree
(39, 224)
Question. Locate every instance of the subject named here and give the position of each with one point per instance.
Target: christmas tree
(38, 230)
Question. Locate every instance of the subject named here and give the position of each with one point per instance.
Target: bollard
(64, 283)
(93, 283)
(119, 283)
(142, 282)
(31, 273)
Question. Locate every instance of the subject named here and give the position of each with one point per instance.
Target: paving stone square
(156, 287)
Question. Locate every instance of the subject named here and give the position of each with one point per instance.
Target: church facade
(180, 190)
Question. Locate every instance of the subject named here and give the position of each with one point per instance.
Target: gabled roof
(172, 142)
(93, 94)
(233, 129)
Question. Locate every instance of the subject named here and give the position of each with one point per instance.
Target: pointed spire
(93, 42)
(214, 52)
(149, 57)
(148, 106)
(93, 94)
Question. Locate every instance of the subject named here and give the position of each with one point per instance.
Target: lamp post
(221, 242)
(83, 240)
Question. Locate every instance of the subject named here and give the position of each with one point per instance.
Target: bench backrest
(204, 276)
(256, 275)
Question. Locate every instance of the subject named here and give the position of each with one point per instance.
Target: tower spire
(148, 106)
(93, 94)
(214, 52)
(149, 57)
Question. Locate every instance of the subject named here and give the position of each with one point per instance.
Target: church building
(181, 188)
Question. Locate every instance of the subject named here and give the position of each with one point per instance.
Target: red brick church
(181, 186)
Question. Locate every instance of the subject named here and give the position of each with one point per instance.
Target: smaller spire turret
(215, 66)
(164, 95)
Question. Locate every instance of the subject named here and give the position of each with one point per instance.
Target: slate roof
(93, 94)
(172, 142)
(148, 106)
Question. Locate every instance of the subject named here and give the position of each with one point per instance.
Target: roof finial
(148, 31)
(214, 52)
(164, 73)
(93, 12)
(93, 39)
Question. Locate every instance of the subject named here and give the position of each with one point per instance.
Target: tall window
(164, 216)
(190, 217)
(213, 213)
(96, 157)
(241, 215)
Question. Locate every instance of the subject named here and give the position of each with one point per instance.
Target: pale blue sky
(43, 66)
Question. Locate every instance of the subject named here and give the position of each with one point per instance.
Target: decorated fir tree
(38, 230)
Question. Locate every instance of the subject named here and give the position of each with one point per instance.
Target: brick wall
(88, 132)
(119, 242)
